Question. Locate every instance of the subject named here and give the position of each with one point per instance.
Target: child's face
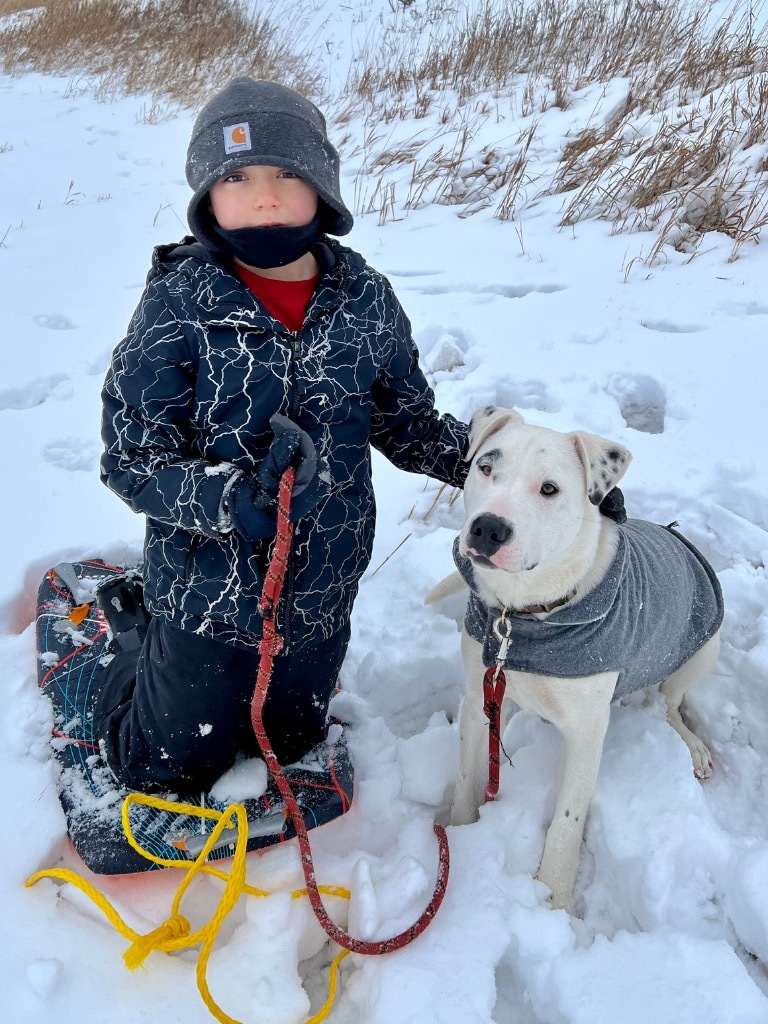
(258, 196)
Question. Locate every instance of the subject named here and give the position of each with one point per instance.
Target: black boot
(121, 599)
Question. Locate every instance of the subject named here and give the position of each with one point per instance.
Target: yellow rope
(175, 933)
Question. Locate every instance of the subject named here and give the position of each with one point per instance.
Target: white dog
(594, 610)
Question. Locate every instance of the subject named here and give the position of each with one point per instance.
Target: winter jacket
(659, 602)
(187, 403)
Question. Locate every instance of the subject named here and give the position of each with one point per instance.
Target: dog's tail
(450, 585)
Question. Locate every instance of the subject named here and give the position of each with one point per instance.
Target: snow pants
(178, 717)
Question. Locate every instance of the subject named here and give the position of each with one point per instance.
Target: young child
(259, 343)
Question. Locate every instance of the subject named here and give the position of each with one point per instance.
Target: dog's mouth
(480, 559)
(486, 563)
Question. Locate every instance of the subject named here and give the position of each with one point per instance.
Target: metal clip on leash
(269, 648)
(494, 685)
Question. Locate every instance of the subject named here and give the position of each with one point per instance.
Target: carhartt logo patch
(237, 137)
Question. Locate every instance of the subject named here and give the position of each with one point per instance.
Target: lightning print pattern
(187, 403)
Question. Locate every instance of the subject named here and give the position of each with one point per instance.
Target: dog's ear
(487, 421)
(605, 463)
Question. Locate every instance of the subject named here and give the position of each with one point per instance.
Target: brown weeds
(447, 102)
(174, 50)
(14, 6)
(696, 101)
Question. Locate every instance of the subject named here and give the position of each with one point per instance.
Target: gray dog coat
(659, 602)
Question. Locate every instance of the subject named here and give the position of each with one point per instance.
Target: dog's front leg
(581, 710)
(473, 732)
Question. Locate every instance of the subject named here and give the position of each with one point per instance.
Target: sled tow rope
(231, 825)
(175, 933)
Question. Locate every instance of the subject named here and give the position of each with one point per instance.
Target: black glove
(292, 446)
(612, 506)
(253, 500)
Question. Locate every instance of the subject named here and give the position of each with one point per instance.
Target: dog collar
(539, 609)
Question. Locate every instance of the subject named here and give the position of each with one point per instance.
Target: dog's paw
(560, 892)
(703, 766)
(705, 769)
(464, 813)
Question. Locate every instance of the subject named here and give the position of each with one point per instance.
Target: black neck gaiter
(270, 247)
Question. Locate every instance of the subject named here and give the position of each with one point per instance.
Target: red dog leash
(494, 684)
(269, 647)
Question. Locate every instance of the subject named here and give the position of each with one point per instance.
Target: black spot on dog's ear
(481, 414)
(595, 496)
(614, 455)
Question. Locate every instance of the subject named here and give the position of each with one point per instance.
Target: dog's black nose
(487, 534)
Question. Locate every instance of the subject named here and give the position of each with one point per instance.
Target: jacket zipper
(293, 404)
(190, 556)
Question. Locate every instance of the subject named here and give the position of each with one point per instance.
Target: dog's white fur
(560, 544)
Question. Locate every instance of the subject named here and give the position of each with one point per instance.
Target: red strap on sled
(270, 646)
(494, 684)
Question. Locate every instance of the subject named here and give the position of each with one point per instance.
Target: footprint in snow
(444, 350)
(506, 291)
(745, 309)
(403, 273)
(525, 394)
(54, 322)
(666, 327)
(72, 453)
(511, 291)
(34, 393)
(641, 400)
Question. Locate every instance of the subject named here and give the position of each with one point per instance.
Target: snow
(245, 779)
(670, 919)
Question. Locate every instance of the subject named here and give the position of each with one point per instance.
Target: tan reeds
(175, 50)
(448, 101)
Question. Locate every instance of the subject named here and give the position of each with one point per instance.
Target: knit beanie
(256, 122)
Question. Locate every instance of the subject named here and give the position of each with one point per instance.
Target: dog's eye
(484, 468)
(548, 489)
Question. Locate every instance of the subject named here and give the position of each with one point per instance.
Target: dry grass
(698, 92)
(570, 44)
(175, 50)
(697, 169)
(14, 6)
(450, 102)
